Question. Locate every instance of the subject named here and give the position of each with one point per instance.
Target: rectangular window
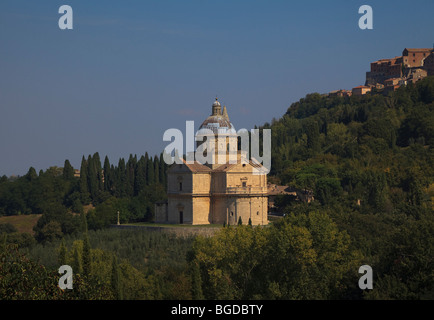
(244, 184)
(180, 186)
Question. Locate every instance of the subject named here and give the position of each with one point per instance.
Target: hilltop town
(389, 74)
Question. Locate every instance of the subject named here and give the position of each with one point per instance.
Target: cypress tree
(92, 177)
(312, 132)
(114, 180)
(149, 171)
(98, 169)
(162, 174)
(68, 171)
(250, 221)
(107, 175)
(62, 253)
(86, 257)
(84, 190)
(83, 221)
(156, 170)
(196, 283)
(122, 179)
(76, 263)
(115, 280)
(130, 175)
(140, 179)
(31, 174)
(240, 221)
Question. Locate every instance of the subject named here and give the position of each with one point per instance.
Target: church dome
(217, 122)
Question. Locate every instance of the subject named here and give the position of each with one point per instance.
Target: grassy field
(23, 223)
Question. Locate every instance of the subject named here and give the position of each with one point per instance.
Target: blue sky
(129, 70)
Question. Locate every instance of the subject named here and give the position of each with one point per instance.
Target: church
(216, 193)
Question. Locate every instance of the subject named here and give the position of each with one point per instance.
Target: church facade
(216, 193)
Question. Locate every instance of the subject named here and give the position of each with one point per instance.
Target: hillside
(373, 150)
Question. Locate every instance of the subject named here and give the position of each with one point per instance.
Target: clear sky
(129, 70)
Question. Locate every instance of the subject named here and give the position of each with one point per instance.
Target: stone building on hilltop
(216, 193)
(412, 66)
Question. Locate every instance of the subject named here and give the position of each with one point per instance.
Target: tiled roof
(197, 167)
(419, 49)
(228, 167)
(358, 87)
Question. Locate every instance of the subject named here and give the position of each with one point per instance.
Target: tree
(31, 174)
(150, 179)
(50, 232)
(405, 271)
(83, 221)
(84, 190)
(68, 171)
(156, 170)
(7, 228)
(25, 279)
(130, 175)
(86, 258)
(107, 175)
(140, 180)
(327, 190)
(76, 260)
(99, 173)
(196, 282)
(303, 256)
(162, 175)
(121, 179)
(312, 131)
(115, 280)
(92, 176)
(62, 253)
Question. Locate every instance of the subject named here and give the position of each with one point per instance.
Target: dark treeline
(59, 194)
